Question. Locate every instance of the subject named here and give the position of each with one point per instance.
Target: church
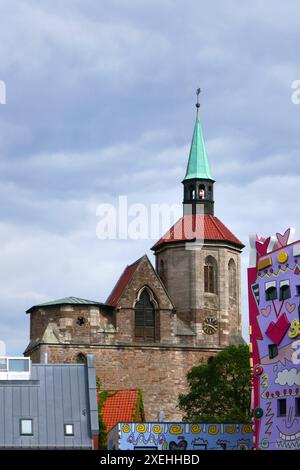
(160, 321)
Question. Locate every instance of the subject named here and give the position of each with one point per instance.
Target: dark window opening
(144, 318)
(281, 407)
(297, 406)
(210, 276)
(297, 290)
(232, 279)
(80, 321)
(81, 358)
(271, 293)
(285, 292)
(273, 351)
(162, 271)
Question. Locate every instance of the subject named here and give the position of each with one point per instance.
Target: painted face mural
(274, 308)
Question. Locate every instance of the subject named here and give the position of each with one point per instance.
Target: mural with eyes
(274, 312)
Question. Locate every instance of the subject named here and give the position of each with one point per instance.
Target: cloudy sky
(100, 103)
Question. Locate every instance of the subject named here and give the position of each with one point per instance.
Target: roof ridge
(110, 299)
(136, 262)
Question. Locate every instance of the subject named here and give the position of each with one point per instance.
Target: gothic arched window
(144, 318)
(232, 279)
(210, 275)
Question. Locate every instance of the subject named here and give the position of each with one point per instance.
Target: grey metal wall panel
(42, 406)
(49, 399)
(58, 404)
(84, 407)
(2, 416)
(57, 394)
(8, 422)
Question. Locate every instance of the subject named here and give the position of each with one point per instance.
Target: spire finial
(198, 91)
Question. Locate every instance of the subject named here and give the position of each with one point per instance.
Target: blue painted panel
(181, 436)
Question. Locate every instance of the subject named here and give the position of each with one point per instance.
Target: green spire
(198, 166)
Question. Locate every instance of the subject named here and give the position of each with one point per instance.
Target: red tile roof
(121, 406)
(122, 283)
(205, 227)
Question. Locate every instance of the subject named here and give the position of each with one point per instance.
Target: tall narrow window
(285, 290)
(281, 407)
(271, 290)
(162, 271)
(201, 191)
(232, 279)
(297, 406)
(273, 351)
(144, 318)
(210, 275)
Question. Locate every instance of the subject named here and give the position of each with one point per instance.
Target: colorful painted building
(180, 436)
(274, 308)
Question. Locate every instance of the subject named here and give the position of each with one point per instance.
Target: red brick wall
(159, 372)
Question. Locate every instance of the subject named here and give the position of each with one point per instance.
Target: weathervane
(198, 91)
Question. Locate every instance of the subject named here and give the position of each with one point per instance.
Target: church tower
(156, 324)
(198, 259)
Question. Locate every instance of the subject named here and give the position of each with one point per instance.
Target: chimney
(45, 358)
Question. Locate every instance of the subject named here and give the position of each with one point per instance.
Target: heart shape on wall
(276, 331)
(266, 311)
(290, 307)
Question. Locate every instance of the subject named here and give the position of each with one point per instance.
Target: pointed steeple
(198, 166)
(198, 182)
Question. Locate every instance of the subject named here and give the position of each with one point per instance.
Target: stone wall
(184, 278)
(159, 372)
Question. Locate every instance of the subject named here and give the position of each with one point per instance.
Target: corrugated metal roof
(66, 301)
(55, 395)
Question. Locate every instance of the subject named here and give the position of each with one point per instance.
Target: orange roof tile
(121, 406)
(191, 227)
(122, 283)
